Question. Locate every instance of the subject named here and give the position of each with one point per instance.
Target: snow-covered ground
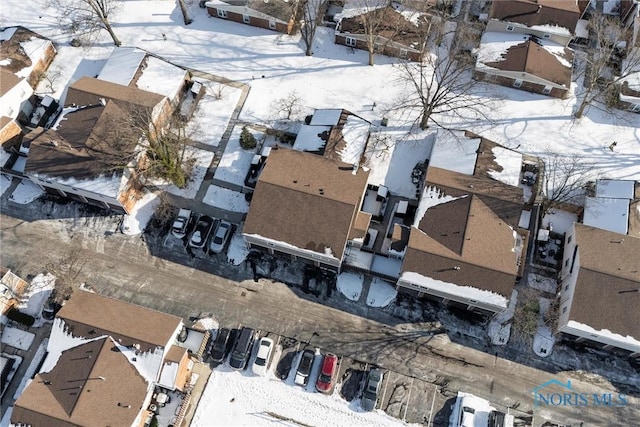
(26, 192)
(237, 251)
(5, 182)
(36, 296)
(546, 284)
(235, 161)
(226, 199)
(544, 339)
(137, 220)
(499, 329)
(350, 285)
(234, 398)
(381, 293)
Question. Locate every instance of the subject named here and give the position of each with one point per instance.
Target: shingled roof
(88, 315)
(91, 384)
(306, 200)
(563, 13)
(608, 265)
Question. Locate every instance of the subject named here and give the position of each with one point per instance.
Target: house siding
(42, 65)
(527, 85)
(412, 55)
(254, 21)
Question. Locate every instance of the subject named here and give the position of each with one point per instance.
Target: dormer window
(509, 27)
(546, 35)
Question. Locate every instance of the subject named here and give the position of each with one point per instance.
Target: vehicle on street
(327, 373)
(500, 419)
(220, 237)
(372, 389)
(220, 346)
(304, 368)
(201, 232)
(179, 228)
(261, 364)
(241, 349)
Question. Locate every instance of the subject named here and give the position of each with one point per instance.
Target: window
(222, 13)
(564, 309)
(403, 53)
(246, 19)
(517, 83)
(272, 24)
(509, 27)
(350, 41)
(546, 36)
(635, 108)
(546, 90)
(566, 263)
(569, 239)
(566, 288)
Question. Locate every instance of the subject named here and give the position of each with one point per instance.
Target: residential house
(466, 246)
(305, 205)
(278, 15)
(600, 289)
(27, 56)
(399, 32)
(91, 154)
(629, 13)
(104, 360)
(524, 62)
(553, 20)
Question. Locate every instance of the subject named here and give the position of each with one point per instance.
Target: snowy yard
(350, 285)
(235, 161)
(234, 398)
(17, 338)
(226, 199)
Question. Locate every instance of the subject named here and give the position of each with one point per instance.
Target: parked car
(220, 346)
(201, 232)
(500, 419)
(220, 237)
(327, 373)
(179, 228)
(372, 389)
(467, 417)
(241, 349)
(304, 368)
(261, 364)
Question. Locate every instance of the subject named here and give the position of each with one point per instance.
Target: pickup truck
(179, 228)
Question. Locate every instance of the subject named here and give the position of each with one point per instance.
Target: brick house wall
(393, 51)
(526, 85)
(42, 64)
(254, 21)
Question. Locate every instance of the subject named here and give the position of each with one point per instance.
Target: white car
(220, 237)
(179, 228)
(261, 364)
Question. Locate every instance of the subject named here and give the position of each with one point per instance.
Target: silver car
(220, 237)
(372, 389)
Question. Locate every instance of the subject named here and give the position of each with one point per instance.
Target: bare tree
(565, 180)
(312, 16)
(607, 62)
(442, 83)
(66, 267)
(287, 107)
(88, 17)
(373, 22)
(186, 18)
(524, 322)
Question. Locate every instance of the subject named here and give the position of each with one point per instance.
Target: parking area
(410, 400)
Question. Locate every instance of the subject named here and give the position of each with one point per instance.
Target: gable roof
(88, 314)
(91, 384)
(89, 90)
(21, 50)
(463, 232)
(306, 200)
(279, 10)
(608, 268)
(523, 53)
(563, 13)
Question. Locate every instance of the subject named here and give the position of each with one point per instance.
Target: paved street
(125, 268)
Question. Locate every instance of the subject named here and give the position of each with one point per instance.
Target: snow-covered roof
(629, 340)
(431, 196)
(615, 188)
(106, 185)
(355, 133)
(455, 152)
(455, 291)
(511, 163)
(494, 46)
(552, 29)
(122, 66)
(326, 117)
(327, 253)
(358, 7)
(607, 213)
(309, 138)
(161, 77)
(7, 33)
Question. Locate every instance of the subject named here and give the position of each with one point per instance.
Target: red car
(327, 373)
